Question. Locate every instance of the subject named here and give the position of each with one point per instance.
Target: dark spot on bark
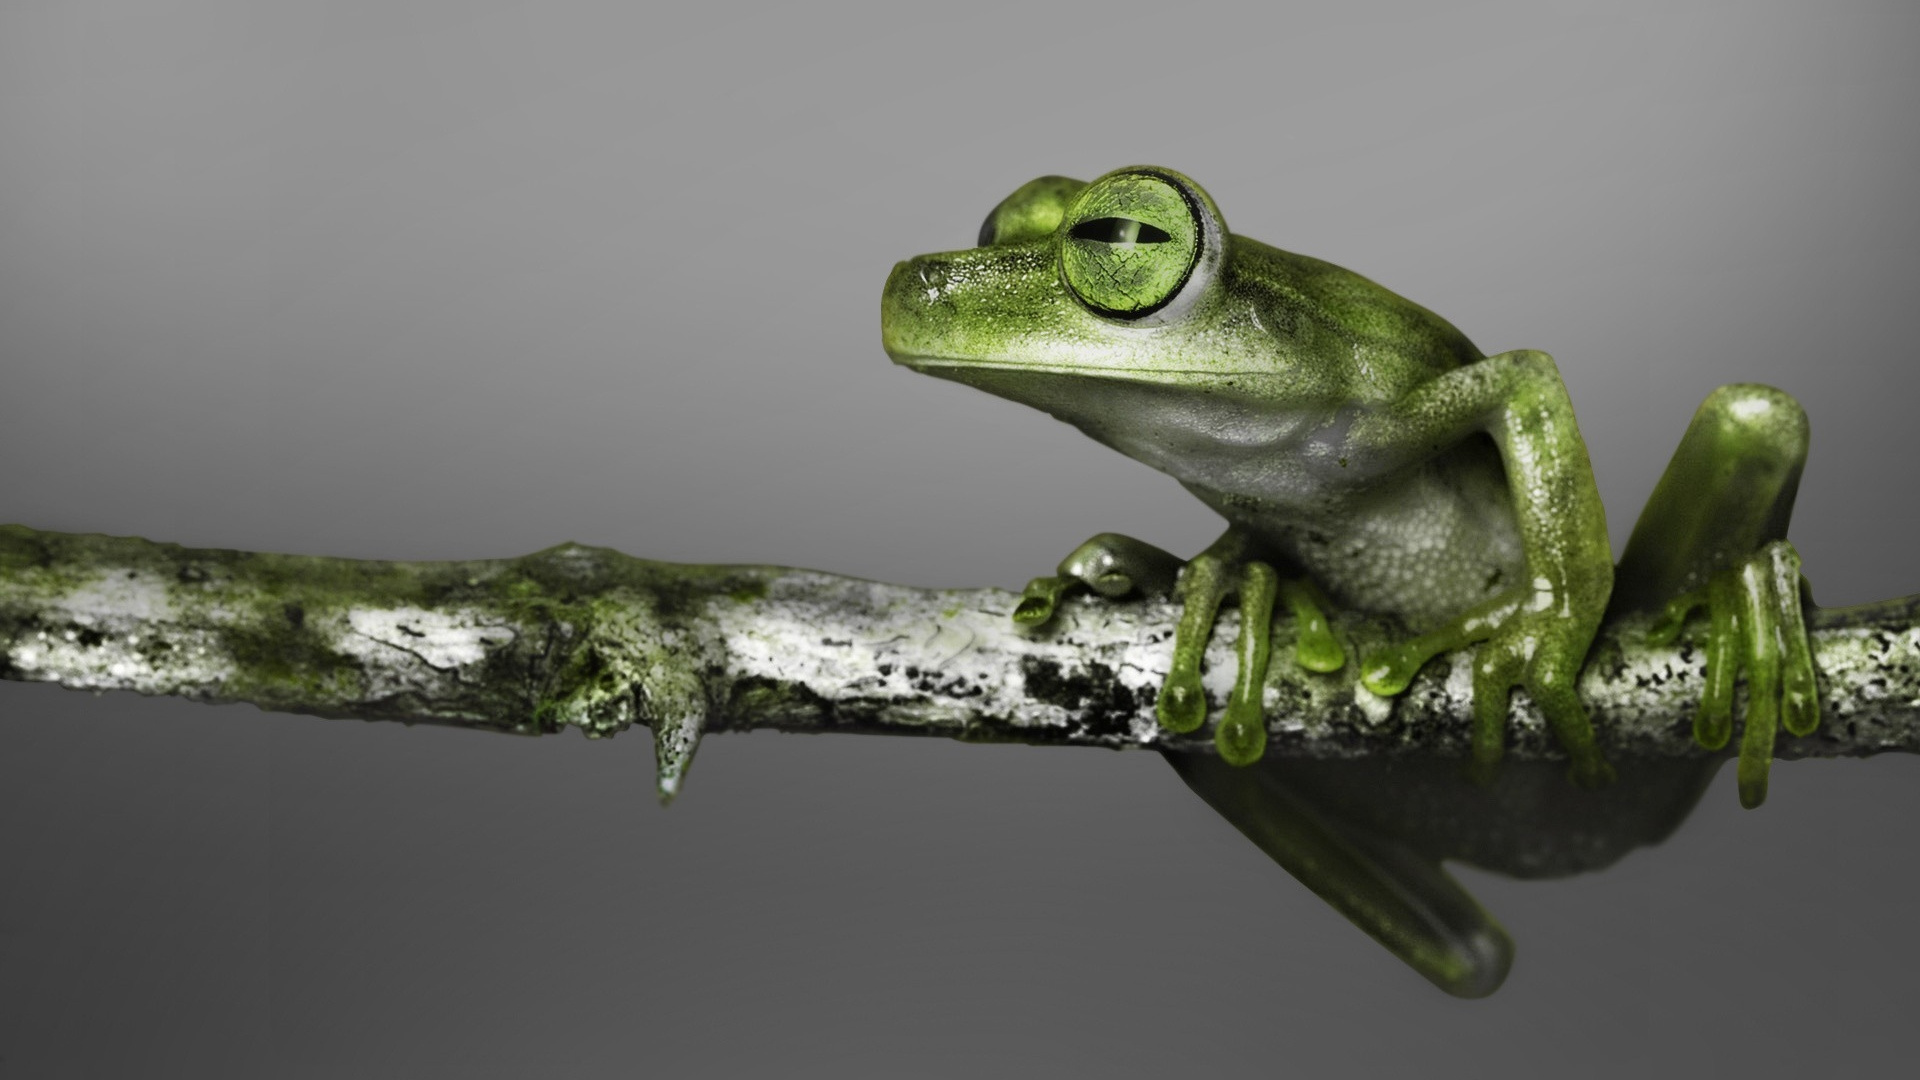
(1106, 708)
(886, 669)
(191, 574)
(89, 637)
(295, 614)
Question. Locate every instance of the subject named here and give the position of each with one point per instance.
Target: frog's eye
(1132, 241)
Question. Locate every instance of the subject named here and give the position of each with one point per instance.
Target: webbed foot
(1754, 622)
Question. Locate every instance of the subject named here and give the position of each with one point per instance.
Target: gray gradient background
(448, 280)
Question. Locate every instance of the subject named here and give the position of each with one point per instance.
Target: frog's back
(1392, 342)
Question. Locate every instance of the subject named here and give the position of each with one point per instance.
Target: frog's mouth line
(925, 363)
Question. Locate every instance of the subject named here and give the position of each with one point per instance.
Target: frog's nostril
(933, 277)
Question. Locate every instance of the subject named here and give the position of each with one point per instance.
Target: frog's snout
(964, 306)
(912, 286)
(925, 277)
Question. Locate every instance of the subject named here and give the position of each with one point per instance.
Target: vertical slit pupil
(1119, 230)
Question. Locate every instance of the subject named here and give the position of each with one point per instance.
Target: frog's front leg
(1114, 566)
(1535, 636)
(1714, 535)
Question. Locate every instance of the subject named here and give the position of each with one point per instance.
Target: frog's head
(1065, 271)
(1097, 301)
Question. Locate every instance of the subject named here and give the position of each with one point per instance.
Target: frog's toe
(1497, 667)
(1038, 601)
(1182, 704)
(1315, 647)
(1241, 737)
(1799, 692)
(1553, 681)
(1799, 705)
(1389, 669)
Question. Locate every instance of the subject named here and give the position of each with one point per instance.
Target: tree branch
(589, 638)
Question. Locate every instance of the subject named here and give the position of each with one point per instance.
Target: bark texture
(589, 638)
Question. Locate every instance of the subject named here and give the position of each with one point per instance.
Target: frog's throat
(1203, 427)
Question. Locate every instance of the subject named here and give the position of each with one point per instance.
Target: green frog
(1368, 457)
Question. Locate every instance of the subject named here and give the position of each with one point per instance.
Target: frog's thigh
(1728, 490)
(1404, 900)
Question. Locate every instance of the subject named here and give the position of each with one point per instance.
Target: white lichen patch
(444, 640)
(870, 642)
(1865, 669)
(91, 639)
(1375, 709)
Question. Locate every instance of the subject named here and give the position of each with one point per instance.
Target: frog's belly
(1424, 546)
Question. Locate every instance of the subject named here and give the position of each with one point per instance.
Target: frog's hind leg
(1400, 897)
(1714, 534)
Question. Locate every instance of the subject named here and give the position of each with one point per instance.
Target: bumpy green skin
(1360, 446)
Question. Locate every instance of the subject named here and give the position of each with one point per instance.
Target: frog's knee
(1753, 418)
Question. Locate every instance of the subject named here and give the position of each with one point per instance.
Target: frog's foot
(1222, 570)
(1755, 622)
(1204, 583)
(1110, 564)
(1115, 566)
(1521, 643)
